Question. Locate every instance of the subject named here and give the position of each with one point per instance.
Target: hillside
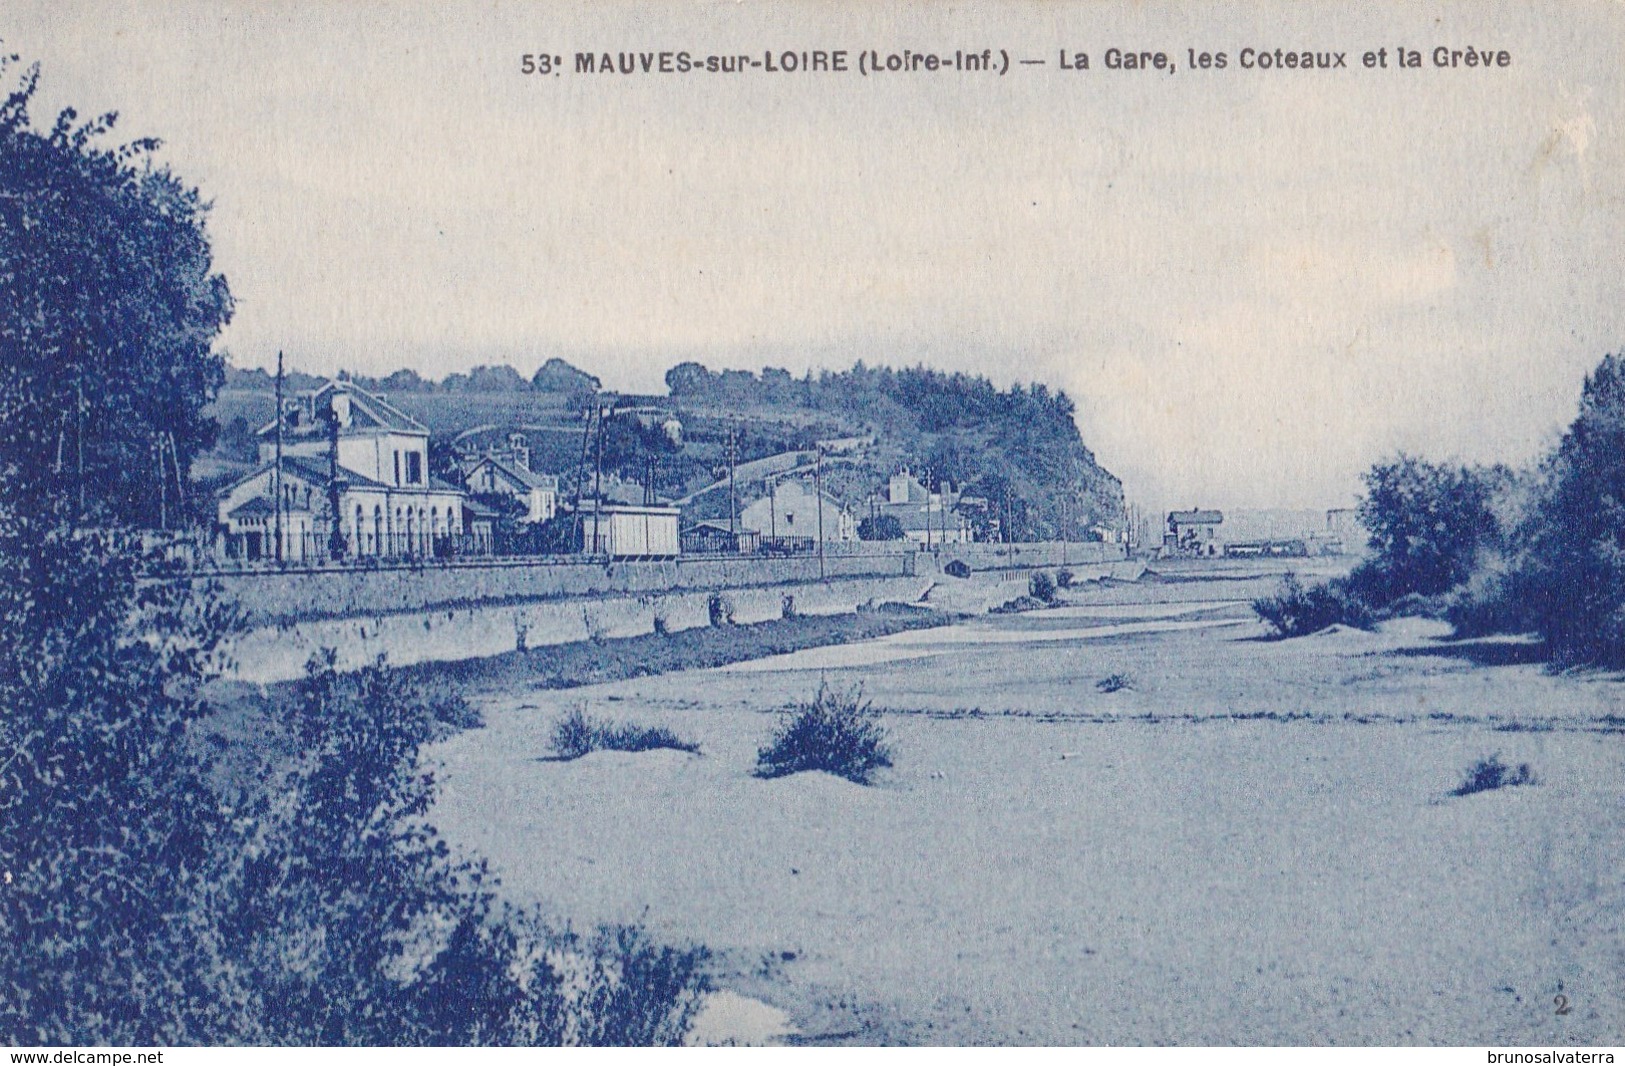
(1018, 449)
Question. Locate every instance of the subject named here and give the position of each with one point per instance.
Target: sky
(1253, 283)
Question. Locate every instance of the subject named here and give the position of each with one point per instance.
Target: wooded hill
(1019, 448)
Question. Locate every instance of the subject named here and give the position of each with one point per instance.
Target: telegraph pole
(1066, 526)
(927, 473)
(276, 471)
(598, 482)
(163, 502)
(581, 473)
(818, 491)
(335, 534)
(733, 494)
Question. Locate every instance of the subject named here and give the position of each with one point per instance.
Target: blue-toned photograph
(812, 524)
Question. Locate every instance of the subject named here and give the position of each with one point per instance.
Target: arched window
(377, 529)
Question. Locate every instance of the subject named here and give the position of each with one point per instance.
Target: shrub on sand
(1489, 774)
(838, 732)
(1041, 586)
(720, 608)
(1297, 610)
(1114, 683)
(578, 734)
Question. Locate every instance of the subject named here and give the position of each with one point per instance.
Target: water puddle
(728, 1019)
(923, 643)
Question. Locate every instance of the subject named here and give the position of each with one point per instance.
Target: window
(397, 467)
(789, 518)
(414, 468)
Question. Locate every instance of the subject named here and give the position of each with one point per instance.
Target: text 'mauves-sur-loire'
(908, 61)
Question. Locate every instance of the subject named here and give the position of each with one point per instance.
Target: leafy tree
(881, 527)
(1427, 524)
(108, 311)
(1573, 582)
(556, 375)
(142, 901)
(690, 380)
(106, 817)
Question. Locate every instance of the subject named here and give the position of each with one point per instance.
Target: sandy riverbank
(1254, 843)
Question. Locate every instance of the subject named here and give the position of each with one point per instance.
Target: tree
(1427, 524)
(881, 527)
(1572, 584)
(556, 375)
(691, 381)
(107, 821)
(145, 899)
(108, 312)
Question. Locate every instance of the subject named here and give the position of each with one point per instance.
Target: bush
(350, 921)
(1573, 581)
(957, 568)
(787, 606)
(881, 527)
(720, 608)
(1491, 773)
(1041, 587)
(1297, 610)
(1063, 578)
(1428, 522)
(838, 732)
(578, 734)
(1114, 683)
(1494, 600)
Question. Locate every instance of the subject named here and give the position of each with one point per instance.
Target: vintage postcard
(813, 523)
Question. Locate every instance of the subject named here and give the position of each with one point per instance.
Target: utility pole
(598, 482)
(180, 484)
(1066, 526)
(335, 536)
(276, 471)
(818, 492)
(773, 509)
(163, 485)
(581, 472)
(733, 495)
(1008, 530)
(927, 473)
(79, 432)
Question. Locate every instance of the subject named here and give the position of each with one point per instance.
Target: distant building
(490, 476)
(626, 531)
(715, 538)
(1193, 532)
(479, 526)
(794, 509)
(1343, 527)
(340, 445)
(928, 518)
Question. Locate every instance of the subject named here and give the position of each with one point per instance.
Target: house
(479, 527)
(715, 538)
(1193, 532)
(491, 476)
(341, 448)
(793, 508)
(928, 518)
(1343, 530)
(626, 531)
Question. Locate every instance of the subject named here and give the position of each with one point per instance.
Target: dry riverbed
(1252, 842)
